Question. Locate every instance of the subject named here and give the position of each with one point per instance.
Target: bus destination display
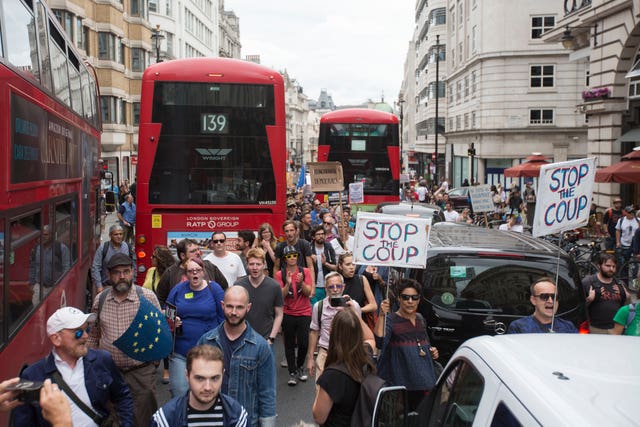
(214, 123)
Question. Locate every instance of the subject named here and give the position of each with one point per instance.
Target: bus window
(66, 236)
(20, 33)
(23, 243)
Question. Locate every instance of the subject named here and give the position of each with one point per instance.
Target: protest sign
(356, 192)
(390, 240)
(564, 196)
(326, 176)
(481, 198)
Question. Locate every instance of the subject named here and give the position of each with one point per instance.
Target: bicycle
(585, 254)
(628, 273)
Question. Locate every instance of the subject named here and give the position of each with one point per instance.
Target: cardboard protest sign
(481, 198)
(564, 196)
(326, 176)
(391, 240)
(356, 192)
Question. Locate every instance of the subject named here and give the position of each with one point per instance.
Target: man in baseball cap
(89, 378)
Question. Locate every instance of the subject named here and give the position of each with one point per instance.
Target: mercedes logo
(500, 328)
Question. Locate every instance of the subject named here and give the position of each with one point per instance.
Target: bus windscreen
(213, 146)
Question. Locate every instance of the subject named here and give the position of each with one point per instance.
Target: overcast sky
(353, 48)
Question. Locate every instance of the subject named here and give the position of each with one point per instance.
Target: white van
(539, 379)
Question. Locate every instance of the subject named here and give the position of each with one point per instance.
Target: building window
(466, 120)
(540, 116)
(460, 53)
(136, 113)
(457, 122)
(634, 89)
(169, 7)
(432, 90)
(466, 86)
(542, 75)
(110, 48)
(112, 110)
(435, 51)
(451, 93)
(452, 24)
(458, 90)
(453, 58)
(438, 16)
(137, 8)
(541, 24)
(153, 6)
(474, 124)
(138, 59)
(450, 122)
(460, 14)
(474, 85)
(587, 77)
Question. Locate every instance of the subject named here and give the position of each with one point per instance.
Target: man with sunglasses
(322, 313)
(90, 374)
(544, 300)
(228, 262)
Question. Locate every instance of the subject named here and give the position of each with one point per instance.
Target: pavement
(293, 403)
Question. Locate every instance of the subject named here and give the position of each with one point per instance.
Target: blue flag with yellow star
(148, 338)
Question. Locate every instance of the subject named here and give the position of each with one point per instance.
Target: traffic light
(471, 151)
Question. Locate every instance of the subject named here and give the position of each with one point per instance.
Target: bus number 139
(214, 123)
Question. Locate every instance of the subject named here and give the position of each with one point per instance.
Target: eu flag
(148, 338)
(301, 178)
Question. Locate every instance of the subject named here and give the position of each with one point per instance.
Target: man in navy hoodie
(203, 403)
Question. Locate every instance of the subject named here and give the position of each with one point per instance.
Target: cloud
(353, 48)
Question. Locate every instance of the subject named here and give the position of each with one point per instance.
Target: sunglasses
(545, 297)
(219, 241)
(335, 286)
(406, 297)
(290, 256)
(194, 271)
(79, 332)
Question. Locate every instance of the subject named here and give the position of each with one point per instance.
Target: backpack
(630, 316)
(369, 388)
(496, 199)
(105, 249)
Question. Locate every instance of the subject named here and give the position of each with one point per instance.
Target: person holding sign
(358, 288)
(406, 356)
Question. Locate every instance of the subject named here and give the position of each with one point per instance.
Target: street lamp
(435, 175)
(157, 37)
(568, 40)
(400, 104)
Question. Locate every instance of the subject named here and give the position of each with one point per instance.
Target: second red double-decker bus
(366, 143)
(211, 152)
(49, 179)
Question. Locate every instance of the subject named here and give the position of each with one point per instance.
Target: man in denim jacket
(249, 369)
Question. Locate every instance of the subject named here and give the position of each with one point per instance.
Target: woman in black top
(337, 391)
(356, 285)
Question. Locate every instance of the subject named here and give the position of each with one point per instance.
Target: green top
(621, 317)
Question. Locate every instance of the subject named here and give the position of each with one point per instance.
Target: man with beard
(544, 300)
(605, 295)
(292, 238)
(242, 347)
(203, 404)
(119, 307)
(90, 374)
(324, 260)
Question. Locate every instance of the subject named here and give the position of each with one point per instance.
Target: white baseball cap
(68, 318)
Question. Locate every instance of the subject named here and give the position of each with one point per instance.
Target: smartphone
(337, 302)
(29, 390)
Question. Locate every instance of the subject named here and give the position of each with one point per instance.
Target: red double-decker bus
(49, 179)
(211, 152)
(366, 143)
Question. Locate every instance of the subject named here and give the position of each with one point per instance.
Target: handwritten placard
(564, 196)
(356, 192)
(391, 240)
(481, 198)
(326, 176)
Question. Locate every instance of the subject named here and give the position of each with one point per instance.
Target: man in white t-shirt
(229, 263)
(625, 229)
(422, 191)
(450, 215)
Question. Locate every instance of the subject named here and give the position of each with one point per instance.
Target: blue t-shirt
(200, 311)
(530, 325)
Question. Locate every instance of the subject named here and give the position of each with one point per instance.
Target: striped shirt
(212, 417)
(115, 319)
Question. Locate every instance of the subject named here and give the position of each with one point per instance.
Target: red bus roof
(359, 115)
(222, 69)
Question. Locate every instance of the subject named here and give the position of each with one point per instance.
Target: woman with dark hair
(267, 242)
(161, 259)
(358, 288)
(337, 391)
(198, 304)
(405, 356)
